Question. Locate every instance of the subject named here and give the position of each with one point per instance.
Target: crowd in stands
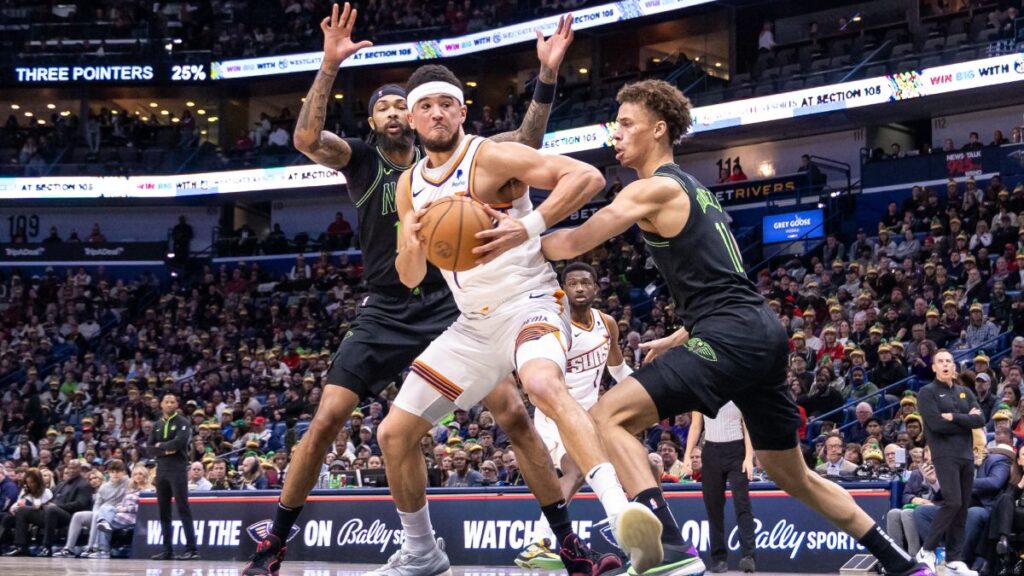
(242, 29)
(85, 358)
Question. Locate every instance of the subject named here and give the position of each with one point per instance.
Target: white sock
(419, 534)
(543, 530)
(605, 484)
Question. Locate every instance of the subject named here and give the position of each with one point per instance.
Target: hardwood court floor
(71, 566)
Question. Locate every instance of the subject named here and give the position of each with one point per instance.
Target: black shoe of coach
(17, 551)
(165, 555)
(188, 555)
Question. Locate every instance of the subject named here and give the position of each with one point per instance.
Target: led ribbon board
(450, 47)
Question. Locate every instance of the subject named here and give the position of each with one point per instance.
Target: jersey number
(730, 246)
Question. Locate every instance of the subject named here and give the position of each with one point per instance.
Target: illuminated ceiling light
(164, 112)
(29, 114)
(656, 60)
(469, 102)
(584, 71)
(175, 120)
(339, 96)
(113, 112)
(51, 106)
(303, 98)
(145, 118)
(856, 17)
(136, 112)
(471, 84)
(152, 104)
(201, 112)
(66, 113)
(718, 64)
(40, 121)
(212, 119)
(177, 40)
(190, 103)
(203, 132)
(15, 107)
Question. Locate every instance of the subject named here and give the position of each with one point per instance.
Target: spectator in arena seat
(980, 330)
(766, 39)
(462, 474)
(339, 232)
(973, 142)
(909, 247)
(96, 237)
(278, 141)
(737, 173)
(197, 481)
(73, 494)
(669, 453)
(832, 249)
(815, 174)
(861, 387)
(920, 490)
(858, 432)
(834, 464)
(895, 151)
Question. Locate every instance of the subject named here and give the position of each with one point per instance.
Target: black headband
(386, 90)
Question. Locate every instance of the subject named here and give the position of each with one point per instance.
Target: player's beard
(441, 145)
(398, 143)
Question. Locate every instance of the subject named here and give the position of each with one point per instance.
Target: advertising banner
(490, 528)
(170, 186)
(128, 253)
(806, 225)
(747, 191)
(450, 47)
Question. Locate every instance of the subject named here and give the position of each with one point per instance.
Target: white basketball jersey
(586, 359)
(521, 270)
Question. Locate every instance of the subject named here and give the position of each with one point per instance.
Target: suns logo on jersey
(596, 358)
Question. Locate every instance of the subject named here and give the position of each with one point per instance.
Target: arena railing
(1000, 343)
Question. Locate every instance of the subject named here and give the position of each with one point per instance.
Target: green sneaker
(680, 560)
(538, 556)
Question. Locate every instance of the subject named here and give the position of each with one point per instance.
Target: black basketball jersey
(372, 180)
(702, 264)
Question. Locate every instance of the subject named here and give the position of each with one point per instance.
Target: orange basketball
(449, 232)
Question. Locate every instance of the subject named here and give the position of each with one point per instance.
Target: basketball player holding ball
(514, 319)
(731, 346)
(394, 323)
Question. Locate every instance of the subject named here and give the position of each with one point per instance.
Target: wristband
(620, 372)
(544, 93)
(534, 223)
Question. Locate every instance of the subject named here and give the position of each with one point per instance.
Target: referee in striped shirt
(727, 455)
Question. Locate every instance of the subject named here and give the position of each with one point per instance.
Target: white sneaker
(958, 568)
(638, 532)
(926, 557)
(402, 563)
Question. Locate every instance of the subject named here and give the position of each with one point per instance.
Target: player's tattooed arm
(310, 138)
(321, 146)
(550, 52)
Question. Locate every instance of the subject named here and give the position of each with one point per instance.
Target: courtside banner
(490, 528)
(450, 47)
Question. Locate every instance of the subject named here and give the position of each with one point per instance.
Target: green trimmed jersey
(702, 264)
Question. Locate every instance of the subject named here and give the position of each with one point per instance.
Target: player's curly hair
(664, 100)
(432, 73)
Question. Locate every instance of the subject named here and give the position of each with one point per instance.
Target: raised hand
(338, 44)
(552, 51)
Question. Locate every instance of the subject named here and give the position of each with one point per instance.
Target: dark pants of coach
(724, 461)
(174, 483)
